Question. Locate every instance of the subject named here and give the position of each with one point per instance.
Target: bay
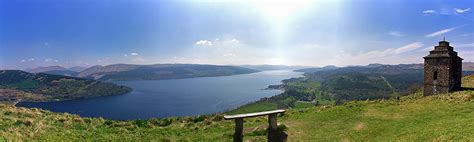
(173, 98)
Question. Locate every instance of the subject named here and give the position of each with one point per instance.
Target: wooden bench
(239, 123)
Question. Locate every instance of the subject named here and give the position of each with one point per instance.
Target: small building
(442, 70)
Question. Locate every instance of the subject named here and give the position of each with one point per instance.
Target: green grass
(412, 118)
(308, 85)
(255, 107)
(300, 104)
(325, 102)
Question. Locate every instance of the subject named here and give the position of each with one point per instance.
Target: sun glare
(280, 10)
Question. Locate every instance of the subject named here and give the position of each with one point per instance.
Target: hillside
(159, 71)
(57, 70)
(412, 118)
(339, 85)
(15, 85)
(46, 69)
(77, 68)
(467, 67)
(332, 85)
(62, 72)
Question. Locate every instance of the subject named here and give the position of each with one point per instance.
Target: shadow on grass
(466, 89)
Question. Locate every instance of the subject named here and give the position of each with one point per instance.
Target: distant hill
(46, 69)
(368, 82)
(159, 71)
(467, 66)
(145, 72)
(49, 87)
(55, 70)
(272, 67)
(77, 68)
(308, 70)
(98, 71)
(62, 72)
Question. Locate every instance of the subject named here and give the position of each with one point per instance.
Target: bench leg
(239, 127)
(272, 128)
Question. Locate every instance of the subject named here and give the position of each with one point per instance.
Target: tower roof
(443, 50)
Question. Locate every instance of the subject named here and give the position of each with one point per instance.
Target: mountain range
(117, 72)
(466, 66)
(178, 71)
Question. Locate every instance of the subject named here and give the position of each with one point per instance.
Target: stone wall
(442, 67)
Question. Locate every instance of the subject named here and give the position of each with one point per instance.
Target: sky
(309, 33)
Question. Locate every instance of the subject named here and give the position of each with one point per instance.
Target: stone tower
(443, 70)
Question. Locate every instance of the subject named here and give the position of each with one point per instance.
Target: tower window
(435, 75)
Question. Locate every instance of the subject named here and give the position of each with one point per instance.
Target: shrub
(165, 122)
(218, 118)
(141, 123)
(199, 118)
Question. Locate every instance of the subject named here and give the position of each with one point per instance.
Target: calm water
(180, 97)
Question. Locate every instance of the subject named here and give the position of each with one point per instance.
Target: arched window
(435, 75)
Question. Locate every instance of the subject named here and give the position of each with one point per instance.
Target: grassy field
(310, 85)
(412, 118)
(300, 104)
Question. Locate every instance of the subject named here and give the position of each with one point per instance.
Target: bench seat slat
(246, 115)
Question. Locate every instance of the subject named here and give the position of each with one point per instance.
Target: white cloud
(445, 11)
(437, 33)
(430, 11)
(131, 54)
(50, 60)
(224, 50)
(234, 40)
(409, 47)
(204, 43)
(27, 60)
(461, 10)
(378, 56)
(396, 33)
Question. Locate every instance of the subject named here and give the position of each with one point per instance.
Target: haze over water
(179, 97)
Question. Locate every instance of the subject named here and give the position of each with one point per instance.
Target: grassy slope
(443, 117)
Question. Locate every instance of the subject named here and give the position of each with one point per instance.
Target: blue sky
(312, 33)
